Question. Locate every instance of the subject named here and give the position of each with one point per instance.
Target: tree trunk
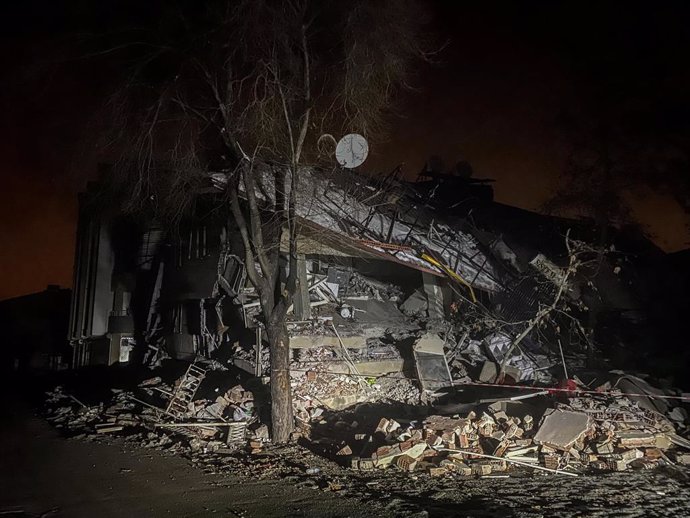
(282, 421)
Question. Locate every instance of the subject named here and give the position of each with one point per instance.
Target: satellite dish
(352, 150)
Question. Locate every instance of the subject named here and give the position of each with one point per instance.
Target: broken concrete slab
(434, 296)
(490, 369)
(414, 304)
(560, 429)
(430, 360)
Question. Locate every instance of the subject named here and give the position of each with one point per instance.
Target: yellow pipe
(450, 273)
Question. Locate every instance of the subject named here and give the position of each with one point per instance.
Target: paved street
(46, 475)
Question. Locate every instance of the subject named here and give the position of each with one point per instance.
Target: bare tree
(245, 89)
(579, 256)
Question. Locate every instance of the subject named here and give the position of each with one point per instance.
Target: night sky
(495, 97)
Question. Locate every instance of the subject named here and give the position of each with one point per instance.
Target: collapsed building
(372, 254)
(402, 296)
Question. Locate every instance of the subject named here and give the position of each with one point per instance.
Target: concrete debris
(225, 421)
(561, 429)
(415, 304)
(430, 359)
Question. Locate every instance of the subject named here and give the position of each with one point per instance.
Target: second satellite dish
(352, 150)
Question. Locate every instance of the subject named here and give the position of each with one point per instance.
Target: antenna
(352, 150)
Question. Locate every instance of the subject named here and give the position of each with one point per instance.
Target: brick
(437, 471)
(501, 449)
(629, 455)
(511, 431)
(604, 448)
(588, 457)
(433, 440)
(552, 461)
(654, 453)
(382, 427)
(617, 465)
(498, 465)
(381, 452)
(501, 417)
(528, 422)
(405, 462)
(463, 441)
(634, 439)
(366, 464)
(416, 435)
(345, 450)
(481, 469)
(459, 466)
(448, 436)
(498, 435)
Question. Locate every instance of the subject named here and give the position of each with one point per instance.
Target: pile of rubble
(559, 433)
(585, 434)
(227, 422)
(322, 378)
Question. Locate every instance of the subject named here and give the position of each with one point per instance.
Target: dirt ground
(47, 475)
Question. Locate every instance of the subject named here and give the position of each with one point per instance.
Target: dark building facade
(35, 329)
